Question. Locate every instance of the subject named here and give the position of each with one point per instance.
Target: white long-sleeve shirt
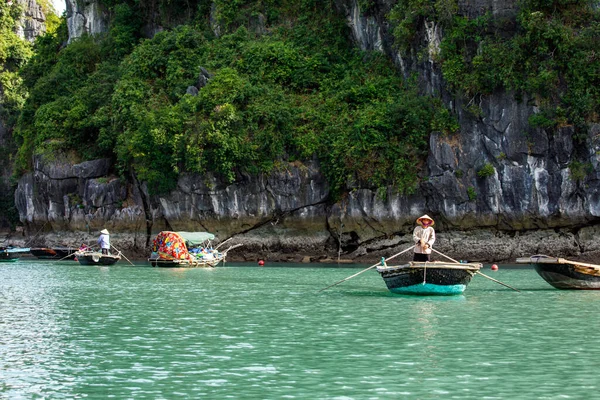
(427, 234)
(104, 242)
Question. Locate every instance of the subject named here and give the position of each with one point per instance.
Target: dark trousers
(421, 257)
(105, 251)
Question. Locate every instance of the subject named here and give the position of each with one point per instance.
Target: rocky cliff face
(31, 24)
(33, 21)
(529, 203)
(85, 17)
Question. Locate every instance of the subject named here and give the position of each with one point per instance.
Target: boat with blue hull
(428, 278)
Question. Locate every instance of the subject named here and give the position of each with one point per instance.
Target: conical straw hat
(425, 217)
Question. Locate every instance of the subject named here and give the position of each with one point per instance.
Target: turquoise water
(246, 332)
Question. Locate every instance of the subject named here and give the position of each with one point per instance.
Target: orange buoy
(261, 262)
(494, 267)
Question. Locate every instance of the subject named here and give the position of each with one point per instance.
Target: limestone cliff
(529, 203)
(32, 23)
(33, 20)
(85, 17)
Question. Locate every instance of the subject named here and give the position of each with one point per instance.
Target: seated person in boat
(424, 237)
(104, 241)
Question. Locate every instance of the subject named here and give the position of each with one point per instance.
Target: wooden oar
(122, 255)
(366, 269)
(223, 242)
(478, 272)
(70, 255)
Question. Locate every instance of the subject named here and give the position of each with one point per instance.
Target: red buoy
(494, 267)
(261, 262)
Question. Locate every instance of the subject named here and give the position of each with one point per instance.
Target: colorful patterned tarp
(171, 246)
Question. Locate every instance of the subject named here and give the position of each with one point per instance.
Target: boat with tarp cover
(186, 249)
(428, 278)
(565, 274)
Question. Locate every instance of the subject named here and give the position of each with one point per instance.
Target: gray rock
(192, 90)
(92, 169)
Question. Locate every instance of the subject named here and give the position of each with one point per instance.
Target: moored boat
(12, 254)
(428, 278)
(565, 274)
(52, 253)
(89, 257)
(6, 256)
(186, 250)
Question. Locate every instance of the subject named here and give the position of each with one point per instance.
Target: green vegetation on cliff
(14, 53)
(286, 85)
(297, 91)
(550, 51)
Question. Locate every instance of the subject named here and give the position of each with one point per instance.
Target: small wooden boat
(161, 262)
(6, 256)
(186, 250)
(12, 254)
(89, 257)
(565, 274)
(428, 278)
(54, 253)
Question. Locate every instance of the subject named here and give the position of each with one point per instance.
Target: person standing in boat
(104, 241)
(424, 237)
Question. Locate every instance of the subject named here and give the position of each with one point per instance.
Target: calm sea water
(246, 332)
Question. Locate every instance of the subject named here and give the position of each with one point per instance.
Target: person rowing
(424, 238)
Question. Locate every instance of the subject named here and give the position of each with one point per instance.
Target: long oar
(480, 273)
(64, 258)
(122, 254)
(70, 255)
(222, 243)
(366, 269)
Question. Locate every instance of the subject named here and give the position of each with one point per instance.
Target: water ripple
(68, 331)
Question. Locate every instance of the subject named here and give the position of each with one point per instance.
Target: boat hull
(565, 274)
(56, 253)
(428, 278)
(95, 258)
(12, 254)
(162, 263)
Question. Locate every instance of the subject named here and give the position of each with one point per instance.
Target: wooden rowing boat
(89, 257)
(12, 254)
(565, 274)
(428, 278)
(52, 253)
(6, 256)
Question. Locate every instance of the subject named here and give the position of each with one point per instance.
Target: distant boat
(5, 256)
(428, 278)
(565, 274)
(11, 254)
(89, 257)
(54, 253)
(186, 249)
